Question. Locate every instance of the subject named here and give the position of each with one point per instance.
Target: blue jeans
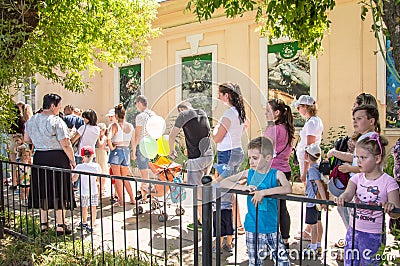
(233, 158)
(120, 156)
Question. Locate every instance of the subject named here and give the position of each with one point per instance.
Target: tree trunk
(391, 17)
(20, 19)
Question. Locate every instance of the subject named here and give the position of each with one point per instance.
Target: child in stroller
(163, 194)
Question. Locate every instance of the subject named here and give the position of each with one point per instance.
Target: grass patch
(48, 249)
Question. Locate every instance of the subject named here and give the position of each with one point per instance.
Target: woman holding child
(282, 134)
(51, 189)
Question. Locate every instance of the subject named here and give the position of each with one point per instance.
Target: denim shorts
(141, 161)
(120, 156)
(233, 158)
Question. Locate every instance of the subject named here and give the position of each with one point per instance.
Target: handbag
(75, 145)
(338, 181)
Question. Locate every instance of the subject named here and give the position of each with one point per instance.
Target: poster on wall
(197, 81)
(392, 84)
(129, 88)
(288, 75)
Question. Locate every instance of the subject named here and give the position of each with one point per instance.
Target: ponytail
(235, 98)
(285, 117)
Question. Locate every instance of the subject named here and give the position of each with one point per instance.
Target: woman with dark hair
(121, 135)
(282, 135)
(51, 189)
(88, 133)
(228, 134)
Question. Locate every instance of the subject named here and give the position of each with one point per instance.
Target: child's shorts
(226, 223)
(94, 200)
(312, 215)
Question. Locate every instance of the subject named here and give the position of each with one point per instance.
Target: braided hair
(285, 117)
(235, 98)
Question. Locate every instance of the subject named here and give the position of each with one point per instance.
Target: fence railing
(150, 230)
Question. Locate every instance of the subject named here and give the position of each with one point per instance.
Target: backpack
(340, 144)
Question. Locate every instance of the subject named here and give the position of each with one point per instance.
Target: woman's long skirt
(51, 189)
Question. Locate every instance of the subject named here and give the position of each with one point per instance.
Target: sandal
(241, 230)
(44, 227)
(65, 231)
(118, 204)
(305, 236)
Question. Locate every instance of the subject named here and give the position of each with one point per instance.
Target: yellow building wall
(346, 68)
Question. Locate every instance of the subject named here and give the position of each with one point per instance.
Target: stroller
(167, 171)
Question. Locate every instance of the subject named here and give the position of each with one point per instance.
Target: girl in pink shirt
(282, 135)
(370, 187)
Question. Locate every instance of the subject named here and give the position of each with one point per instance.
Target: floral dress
(24, 176)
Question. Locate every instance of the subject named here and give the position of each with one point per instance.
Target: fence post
(1, 201)
(206, 220)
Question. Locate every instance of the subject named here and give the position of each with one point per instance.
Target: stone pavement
(165, 239)
(151, 234)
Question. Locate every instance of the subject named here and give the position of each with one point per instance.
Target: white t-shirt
(313, 127)
(89, 137)
(87, 182)
(233, 136)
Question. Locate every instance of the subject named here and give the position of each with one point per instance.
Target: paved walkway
(165, 239)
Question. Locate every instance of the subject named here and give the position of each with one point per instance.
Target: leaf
(364, 11)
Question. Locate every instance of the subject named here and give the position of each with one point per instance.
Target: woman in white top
(228, 134)
(120, 136)
(89, 133)
(310, 133)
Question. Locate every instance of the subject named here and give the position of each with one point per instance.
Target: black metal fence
(153, 230)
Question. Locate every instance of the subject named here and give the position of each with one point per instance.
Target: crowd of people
(75, 140)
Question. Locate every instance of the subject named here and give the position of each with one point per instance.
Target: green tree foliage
(59, 39)
(305, 20)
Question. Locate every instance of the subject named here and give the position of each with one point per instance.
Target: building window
(392, 91)
(197, 81)
(130, 80)
(288, 75)
(27, 92)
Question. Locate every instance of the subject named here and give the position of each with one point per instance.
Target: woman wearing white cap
(309, 134)
(311, 131)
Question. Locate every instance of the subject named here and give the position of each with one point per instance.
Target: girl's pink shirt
(371, 192)
(279, 136)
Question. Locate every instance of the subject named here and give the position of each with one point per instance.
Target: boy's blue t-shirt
(268, 209)
(311, 187)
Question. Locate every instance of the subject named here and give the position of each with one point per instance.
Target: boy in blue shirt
(262, 180)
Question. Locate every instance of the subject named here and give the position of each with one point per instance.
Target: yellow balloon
(163, 145)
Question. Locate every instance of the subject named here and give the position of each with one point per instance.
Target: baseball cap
(314, 150)
(111, 112)
(87, 151)
(304, 99)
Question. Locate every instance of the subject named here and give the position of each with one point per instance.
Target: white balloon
(155, 126)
